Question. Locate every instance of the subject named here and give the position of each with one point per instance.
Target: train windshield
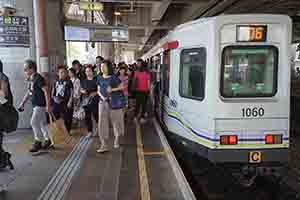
(249, 71)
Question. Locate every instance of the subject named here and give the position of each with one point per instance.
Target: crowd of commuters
(101, 91)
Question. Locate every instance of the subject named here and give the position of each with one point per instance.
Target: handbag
(117, 100)
(90, 103)
(79, 114)
(59, 133)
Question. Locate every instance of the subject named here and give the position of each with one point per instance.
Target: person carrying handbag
(8, 117)
(111, 104)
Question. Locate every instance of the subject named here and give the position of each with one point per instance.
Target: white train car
(224, 90)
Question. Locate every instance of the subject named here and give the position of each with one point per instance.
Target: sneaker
(37, 145)
(142, 121)
(116, 143)
(89, 135)
(95, 132)
(102, 149)
(47, 144)
(146, 115)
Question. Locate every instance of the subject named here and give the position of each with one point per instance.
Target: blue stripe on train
(217, 140)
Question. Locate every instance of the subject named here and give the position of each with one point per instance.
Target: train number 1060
(253, 112)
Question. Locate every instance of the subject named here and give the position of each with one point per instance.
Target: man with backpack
(10, 121)
(5, 91)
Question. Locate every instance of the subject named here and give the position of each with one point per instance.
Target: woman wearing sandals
(111, 104)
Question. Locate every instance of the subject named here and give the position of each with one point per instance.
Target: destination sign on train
(251, 33)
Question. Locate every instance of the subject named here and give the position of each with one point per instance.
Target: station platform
(144, 167)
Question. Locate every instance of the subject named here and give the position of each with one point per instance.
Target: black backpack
(9, 118)
(9, 96)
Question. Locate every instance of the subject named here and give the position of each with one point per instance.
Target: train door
(159, 98)
(190, 94)
(157, 81)
(165, 83)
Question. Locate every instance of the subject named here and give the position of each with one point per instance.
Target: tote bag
(57, 128)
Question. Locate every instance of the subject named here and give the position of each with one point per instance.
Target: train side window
(192, 73)
(166, 67)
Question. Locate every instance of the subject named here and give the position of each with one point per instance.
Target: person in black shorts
(62, 94)
(89, 94)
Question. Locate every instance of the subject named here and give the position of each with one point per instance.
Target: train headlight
(228, 140)
(273, 139)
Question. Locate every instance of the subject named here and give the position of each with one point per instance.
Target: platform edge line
(144, 183)
(119, 171)
(181, 179)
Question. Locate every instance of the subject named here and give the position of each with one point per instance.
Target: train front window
(249, 71)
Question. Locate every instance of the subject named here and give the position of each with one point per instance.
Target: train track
(210, 182)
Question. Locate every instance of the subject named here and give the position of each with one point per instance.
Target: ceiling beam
(143, 1)
(130, 27)
(158, 11)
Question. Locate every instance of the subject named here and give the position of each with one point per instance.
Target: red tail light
(228, 140)
(273, 139)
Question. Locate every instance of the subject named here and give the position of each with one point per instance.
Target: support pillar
(41, 35)
(107, 50)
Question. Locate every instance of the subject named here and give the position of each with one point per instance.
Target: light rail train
(224, 90)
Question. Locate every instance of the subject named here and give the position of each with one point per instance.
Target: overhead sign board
(14, 31)
(80, 34)
(96, 34)
(110, 35)
(91, 6)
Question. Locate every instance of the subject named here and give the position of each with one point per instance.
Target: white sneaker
(146, 115)
(142, 121)
(89, 135)
(116, 143)
(102, 149)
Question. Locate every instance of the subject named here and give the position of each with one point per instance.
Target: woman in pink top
(142, 88)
